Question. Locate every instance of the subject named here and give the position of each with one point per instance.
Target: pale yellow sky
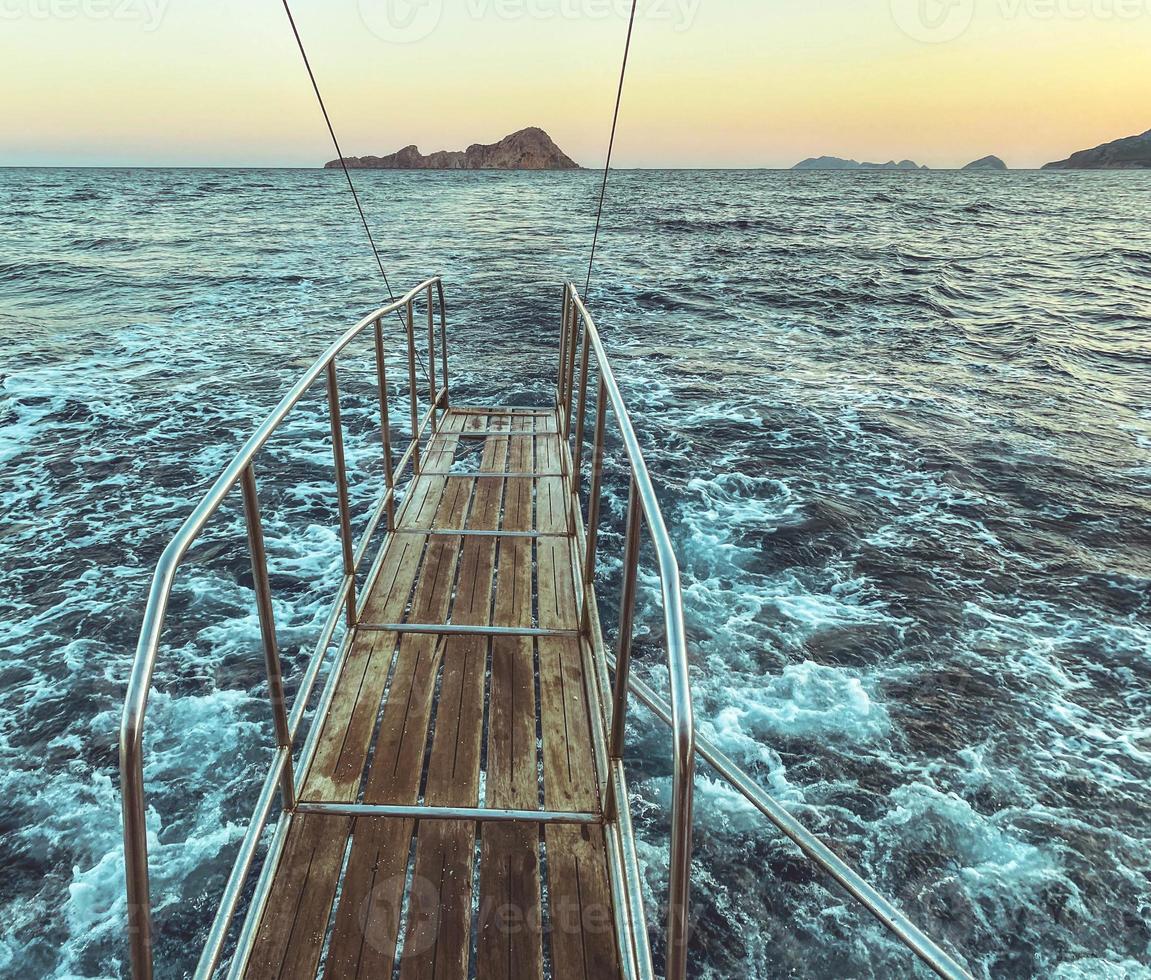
(711, 83)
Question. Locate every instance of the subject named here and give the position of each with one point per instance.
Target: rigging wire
(610, 145)
(347, 173)
(356, 196)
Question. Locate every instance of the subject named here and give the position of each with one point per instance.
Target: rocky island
(986, 163)
(1130, 153)
(527, 149)
(839, 163)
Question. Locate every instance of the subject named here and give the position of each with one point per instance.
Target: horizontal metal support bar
(479, 532)
(480, 814)
(454, 629)
(484, 433)
(503, 410)
(495, 473)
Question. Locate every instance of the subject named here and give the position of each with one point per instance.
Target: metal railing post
(412, 386)
(443, 341)
(593, 503)
(680, 879)
(263, 590)
(563, 346)
(132, 805)
(683, 779)
(626, 630)
(432, 361)
(385, 425)
(581, 411)
(570, 374)
(342, 489)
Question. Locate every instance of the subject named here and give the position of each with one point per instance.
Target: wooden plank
(511, 763)
(368, 915)
(291, 932)
(488, 499)
(342, 749)
(509, 937)
(364, 937)
(423, 498)
(438, 454)
(582, 926)
(509, 942)
(373, 891)
(569, 769)
(582, 934)
(437, 943)
(551, 510)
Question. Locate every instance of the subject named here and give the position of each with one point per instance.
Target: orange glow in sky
(724, 83)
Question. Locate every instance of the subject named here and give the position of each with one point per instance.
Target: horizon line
(507, 170)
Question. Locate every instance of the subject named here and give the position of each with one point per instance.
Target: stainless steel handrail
(643, 508)
(677, 713)
(815, 850)
(241, 470)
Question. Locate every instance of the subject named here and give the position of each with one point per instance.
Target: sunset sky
(725, 83)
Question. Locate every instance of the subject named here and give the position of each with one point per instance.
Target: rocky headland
(527, 149)
(986, 163)
(1129, 153)
(839, 163)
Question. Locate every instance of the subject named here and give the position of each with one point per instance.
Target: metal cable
(348, 175)
(610, 145)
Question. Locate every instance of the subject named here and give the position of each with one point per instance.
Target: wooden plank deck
(433, 719)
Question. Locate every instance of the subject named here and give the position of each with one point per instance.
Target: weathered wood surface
(438, 720)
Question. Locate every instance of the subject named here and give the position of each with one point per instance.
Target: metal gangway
(454, 803)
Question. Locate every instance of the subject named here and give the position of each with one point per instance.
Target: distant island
(1130, 153)
(986, 163)
(838, 163)
(527, 149)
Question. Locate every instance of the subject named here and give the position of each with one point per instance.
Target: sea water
(900, 425)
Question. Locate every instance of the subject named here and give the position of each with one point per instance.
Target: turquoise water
(900, 427)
